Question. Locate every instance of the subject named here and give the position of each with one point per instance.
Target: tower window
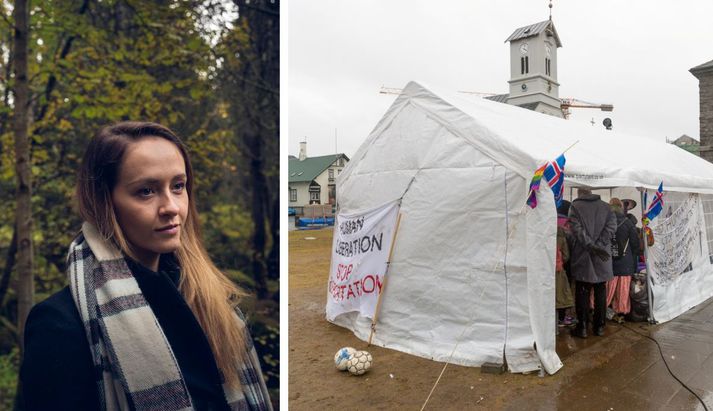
(524, 65)
(548, 70)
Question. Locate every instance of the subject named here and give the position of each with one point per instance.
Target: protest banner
(360, 252)
(678, 241)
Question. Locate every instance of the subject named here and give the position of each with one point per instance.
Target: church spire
(550, 10)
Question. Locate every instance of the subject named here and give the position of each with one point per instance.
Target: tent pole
(386, 279)
(646, 260)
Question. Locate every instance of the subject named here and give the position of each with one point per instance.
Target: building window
(339, 171)
(314, 194)
(331, 174)
(293, 194)
(547, 67)
(524, 65)
(332, 194)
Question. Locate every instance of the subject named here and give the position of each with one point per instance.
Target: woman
(148, 321)
(625, 254)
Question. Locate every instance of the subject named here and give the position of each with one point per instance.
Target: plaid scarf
(138, 368)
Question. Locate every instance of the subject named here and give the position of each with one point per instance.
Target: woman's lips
(169, 229)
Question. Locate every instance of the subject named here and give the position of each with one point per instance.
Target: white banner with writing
(678, 241)
(360, 252)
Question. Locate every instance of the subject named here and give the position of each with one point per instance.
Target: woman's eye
(179, 186)
(145, 192)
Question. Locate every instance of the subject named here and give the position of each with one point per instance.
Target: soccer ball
(359, 363)
(342, 356)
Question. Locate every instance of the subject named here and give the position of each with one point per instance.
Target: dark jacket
(628, 237)
(592, 223)
(58, 374)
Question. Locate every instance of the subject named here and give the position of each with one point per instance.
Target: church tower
(533, 68)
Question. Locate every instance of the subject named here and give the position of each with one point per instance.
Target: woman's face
(150, 198)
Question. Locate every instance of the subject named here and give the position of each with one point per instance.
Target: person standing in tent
(625, 253)
(593, 224)
(638, 257)
(564, 301)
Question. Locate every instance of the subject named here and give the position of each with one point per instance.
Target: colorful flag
(553, 172)
(655, 207)
(535, 185)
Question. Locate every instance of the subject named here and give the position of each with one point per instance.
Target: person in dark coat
(58, 373)
(592, 223)
(148, 321)
(625, 255)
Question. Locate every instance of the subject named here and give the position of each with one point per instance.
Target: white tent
(458, 278)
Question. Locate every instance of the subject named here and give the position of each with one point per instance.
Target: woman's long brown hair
(208, 292)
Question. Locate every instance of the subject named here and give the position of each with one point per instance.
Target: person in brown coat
(592, 223)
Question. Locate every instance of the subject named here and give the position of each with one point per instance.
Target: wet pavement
(624, 371)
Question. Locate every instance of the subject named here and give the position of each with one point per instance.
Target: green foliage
(179, 63)
(267, 344)
(227, 229)
(9, 368)
(243, 280)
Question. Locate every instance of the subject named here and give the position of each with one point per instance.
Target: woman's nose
(169, 205)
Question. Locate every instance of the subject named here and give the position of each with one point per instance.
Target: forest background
(209, 70)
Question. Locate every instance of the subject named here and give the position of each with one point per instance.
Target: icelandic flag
(554, 174)
(656, 205)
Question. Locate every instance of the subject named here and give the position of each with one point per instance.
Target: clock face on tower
(523, 48)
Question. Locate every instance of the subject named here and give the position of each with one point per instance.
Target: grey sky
(634, 54)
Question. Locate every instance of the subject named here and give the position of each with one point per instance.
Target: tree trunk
(23, 215)
(257, 89)
(259, 188)
(273, 258)
(9, 264)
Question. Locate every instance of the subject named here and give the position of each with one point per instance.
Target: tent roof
(309, 168)
(522, 140)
